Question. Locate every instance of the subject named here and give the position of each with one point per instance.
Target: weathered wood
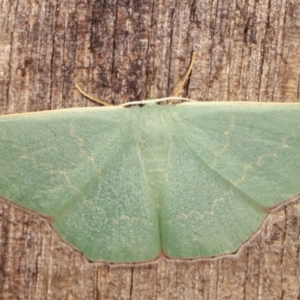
(125, 50)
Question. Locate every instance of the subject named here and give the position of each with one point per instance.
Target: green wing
(122, 184)
(81, 169)
(229, 162)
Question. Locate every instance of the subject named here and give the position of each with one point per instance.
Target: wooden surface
(128, 50)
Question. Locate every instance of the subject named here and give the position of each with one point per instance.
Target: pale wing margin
(229, 162)
(76, 167)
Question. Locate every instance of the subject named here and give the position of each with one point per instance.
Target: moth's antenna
(91, 97)
(176, 91)
(182, 82)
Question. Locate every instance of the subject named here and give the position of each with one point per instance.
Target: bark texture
(120, 50)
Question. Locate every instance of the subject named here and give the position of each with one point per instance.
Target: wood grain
(130, 50)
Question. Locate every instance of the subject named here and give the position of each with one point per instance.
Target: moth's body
(125, 185)
(153, 142)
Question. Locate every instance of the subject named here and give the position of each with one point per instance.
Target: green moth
(129, 184)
